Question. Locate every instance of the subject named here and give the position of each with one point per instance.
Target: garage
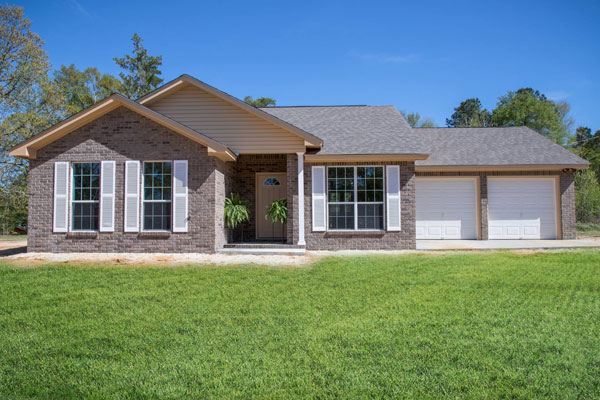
(446, 208)
(522, 208)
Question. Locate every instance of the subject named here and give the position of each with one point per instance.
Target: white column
(301, 241)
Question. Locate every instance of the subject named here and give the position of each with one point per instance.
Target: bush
(587, 196)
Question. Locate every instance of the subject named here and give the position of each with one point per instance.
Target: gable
(28, 149)
(238, 129)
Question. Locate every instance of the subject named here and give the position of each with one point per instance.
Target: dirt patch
(158, 259)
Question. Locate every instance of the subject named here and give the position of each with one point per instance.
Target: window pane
(370, 216)
(167, 180)
(341, 216)
(157, 181)
(147, 168)
(95, 181)
(157, 216)
(85, 216)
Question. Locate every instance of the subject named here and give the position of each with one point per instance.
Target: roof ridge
(337, 105)
(470, 127)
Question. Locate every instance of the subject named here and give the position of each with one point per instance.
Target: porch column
(301, 241)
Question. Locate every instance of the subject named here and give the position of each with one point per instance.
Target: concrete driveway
(505, 244)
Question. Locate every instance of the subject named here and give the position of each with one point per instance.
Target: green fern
(236, 211)
(277, 211)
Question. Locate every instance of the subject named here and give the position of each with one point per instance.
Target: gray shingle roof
(493, 146)
(355, 129)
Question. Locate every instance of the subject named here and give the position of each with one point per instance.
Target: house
(152, 176)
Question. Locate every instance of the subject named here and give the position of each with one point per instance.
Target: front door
(269, 187)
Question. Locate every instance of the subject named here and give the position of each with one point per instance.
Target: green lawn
(588, 229)
(475, 326)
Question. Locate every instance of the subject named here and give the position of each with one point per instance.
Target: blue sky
(419, 56)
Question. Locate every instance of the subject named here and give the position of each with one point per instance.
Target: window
(157, 196)
(355, 198)
(271, 182)
(85, 205)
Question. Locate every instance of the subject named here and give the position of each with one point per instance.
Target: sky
(420, 56)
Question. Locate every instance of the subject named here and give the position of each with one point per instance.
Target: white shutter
(393, 197)
(132, 196)
(180, 196)
(61, 196)
(318, 199)
(107, 196)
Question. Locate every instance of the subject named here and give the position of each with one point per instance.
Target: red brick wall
(124, 135)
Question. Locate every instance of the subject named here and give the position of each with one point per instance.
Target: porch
(260, 179)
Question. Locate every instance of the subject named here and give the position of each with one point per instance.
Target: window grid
(85, 200)
(363, 194)
(157, 195)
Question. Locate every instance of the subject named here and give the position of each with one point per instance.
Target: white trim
(301, 241)
(176, 198)
(132, 197)
(391, 195)
(107, 197)
(355, 203)
(64, 196)
(322, 196)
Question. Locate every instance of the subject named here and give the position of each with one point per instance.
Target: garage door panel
(446, 208)
(522, 208)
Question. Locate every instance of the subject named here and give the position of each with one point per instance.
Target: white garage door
(522, 208)
(446, 208)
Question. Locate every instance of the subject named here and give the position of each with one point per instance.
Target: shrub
(236, 211)
(277, 211)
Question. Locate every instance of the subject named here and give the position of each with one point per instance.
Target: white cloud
(557, 95)
(79, 7)
(383, 58)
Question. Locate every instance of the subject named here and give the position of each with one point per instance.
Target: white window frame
(143, 194)
(355, 202)
(71, 200)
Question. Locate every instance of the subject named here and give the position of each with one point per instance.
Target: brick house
(152, 176)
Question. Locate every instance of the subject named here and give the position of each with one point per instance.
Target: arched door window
(271, 181)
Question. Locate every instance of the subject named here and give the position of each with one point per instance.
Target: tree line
(33, 98)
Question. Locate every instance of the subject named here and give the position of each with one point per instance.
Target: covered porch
(260, 179)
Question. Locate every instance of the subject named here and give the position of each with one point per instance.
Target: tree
(29, 103)
(414, 120)
(82, 89)
(469, 114)
(260, 102)
(588, 146)
(587, 196)
(142, 70)
(22, 58)
(528, 107)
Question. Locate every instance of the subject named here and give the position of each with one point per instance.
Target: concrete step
(261, 245)
(260, 251)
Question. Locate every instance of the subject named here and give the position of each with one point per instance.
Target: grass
(588, 229)
(474, 326)
(10, 238)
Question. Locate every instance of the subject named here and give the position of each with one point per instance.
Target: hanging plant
(277, 211)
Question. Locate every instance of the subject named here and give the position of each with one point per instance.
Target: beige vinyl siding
(241, 131)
